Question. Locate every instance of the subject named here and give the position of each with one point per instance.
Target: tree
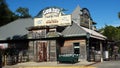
(23, 12)
(111, 32)
(118, 31)
(6, 15)
(119, 15)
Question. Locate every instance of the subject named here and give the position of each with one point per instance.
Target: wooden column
(87, 46)
(52, 52)
(101, 50)
(31, 50)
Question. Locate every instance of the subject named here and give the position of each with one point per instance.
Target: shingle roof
(17, 27)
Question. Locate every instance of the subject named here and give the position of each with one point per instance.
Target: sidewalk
(82, 64)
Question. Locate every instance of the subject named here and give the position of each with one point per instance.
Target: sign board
(51, 12)
(3, 45)
(52, 16)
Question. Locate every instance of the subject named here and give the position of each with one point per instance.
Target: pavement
(108, 64)
(82, 64)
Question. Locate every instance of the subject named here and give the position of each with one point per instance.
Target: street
(104, 64)
(108, 64)
(82, 64)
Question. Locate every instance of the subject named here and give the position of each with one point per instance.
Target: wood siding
(69, 49)
(52, 44)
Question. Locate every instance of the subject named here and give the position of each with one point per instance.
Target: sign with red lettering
(52, 16)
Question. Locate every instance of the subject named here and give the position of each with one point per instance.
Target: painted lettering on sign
(39, 21)
(51, 10)
(52, 21)
(53, 16)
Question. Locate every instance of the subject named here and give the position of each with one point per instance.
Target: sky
(103, 12)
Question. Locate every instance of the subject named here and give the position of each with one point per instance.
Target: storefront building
(55, 33)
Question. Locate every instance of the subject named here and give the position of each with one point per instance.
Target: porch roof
(76, 30)
(94, 34)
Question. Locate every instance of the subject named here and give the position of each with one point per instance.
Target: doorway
(76, 48)
(42, 51)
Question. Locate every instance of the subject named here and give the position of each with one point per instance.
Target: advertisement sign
(3, 45)
(52, 16)
(60, 21)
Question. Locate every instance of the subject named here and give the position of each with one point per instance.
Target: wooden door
(42, 51)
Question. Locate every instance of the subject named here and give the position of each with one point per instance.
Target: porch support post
(87, 47)
(101, 49)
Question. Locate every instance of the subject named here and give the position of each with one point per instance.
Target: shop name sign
(3, 45)
(51, 10)
(59, 21)
(52, 16)
(52, 21)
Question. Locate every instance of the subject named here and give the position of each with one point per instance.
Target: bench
(73, 58)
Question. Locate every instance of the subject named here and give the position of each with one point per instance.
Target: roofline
(92, 35)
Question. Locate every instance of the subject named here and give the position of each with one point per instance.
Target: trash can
(106, 55)
(97, 57)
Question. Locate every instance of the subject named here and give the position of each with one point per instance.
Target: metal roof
(73, 30)
(94, 34)
(76, 14)
(15, 28)
(76, 30)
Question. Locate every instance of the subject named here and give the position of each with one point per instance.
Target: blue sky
(103, 12)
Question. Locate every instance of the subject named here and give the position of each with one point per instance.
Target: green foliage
(5, 14)
(23, 12)
(119, 15)
(111, 32)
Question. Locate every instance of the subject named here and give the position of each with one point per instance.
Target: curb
(91, 64)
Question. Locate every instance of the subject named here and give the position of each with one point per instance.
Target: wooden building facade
(52, 33)
(55, 33)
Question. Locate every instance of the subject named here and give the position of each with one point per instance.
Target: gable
(73, 30)
(76, 14)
